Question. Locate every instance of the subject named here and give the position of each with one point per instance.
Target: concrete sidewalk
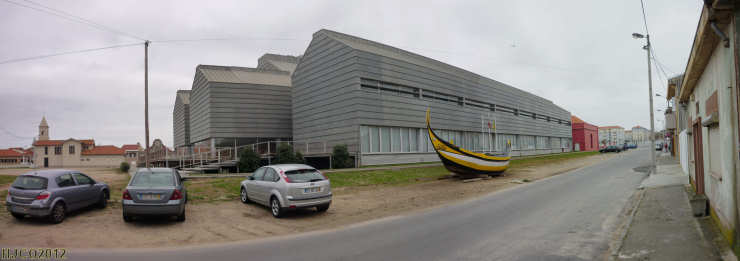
(663, 226)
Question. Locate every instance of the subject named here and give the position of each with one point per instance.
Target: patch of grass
(217, 189)
(6, 179)
(224, 189)
(116, 188)
(400, 164)
(385, 177)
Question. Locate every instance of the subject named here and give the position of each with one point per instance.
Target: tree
(124, 166)
(340, 157)
(299, 157)
(249, 160)
(285, 155)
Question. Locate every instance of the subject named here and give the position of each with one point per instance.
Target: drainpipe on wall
(735, 105)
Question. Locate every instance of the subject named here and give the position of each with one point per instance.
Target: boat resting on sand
(465, 162)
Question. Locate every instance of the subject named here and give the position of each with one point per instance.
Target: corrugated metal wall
(181, 122)
(330, 105)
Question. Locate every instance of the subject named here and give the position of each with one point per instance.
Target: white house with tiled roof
(48, 153)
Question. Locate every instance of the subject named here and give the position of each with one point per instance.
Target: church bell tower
(43, 129)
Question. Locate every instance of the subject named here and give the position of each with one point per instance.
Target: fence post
(269, 162)
(330, 165)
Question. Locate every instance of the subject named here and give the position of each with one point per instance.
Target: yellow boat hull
(465, 162)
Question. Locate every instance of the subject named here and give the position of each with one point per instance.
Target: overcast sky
(579, 54)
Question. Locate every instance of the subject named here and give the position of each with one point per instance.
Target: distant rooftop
(286, 63)
(235, 74)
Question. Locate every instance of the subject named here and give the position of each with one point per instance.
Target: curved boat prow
(465, 162)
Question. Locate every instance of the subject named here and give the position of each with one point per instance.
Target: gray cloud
(578, 54)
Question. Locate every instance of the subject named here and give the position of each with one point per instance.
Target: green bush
(285, 155)
(340, 157)
(124, 166)
(249, 160)
(299, 158)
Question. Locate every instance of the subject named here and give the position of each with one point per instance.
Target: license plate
(20, 209)
(312, 190)
(151, 196)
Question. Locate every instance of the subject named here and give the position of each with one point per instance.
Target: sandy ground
(234, 221)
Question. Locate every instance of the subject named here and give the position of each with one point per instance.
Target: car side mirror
(250, 178)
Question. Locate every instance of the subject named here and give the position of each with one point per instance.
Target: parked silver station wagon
(155, 191)
(287, 186)
(54, 193)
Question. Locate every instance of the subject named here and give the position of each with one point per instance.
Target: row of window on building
(387, 88)
(379, 139)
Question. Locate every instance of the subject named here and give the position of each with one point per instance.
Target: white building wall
(718, 153)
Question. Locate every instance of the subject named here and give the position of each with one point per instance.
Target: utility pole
(146, 101)
(652, 117)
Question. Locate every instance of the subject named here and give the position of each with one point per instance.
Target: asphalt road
(567, 217)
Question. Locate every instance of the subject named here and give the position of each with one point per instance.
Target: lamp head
(637, 36)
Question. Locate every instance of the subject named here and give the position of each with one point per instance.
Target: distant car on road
(633, 146)
(658, 146)
(610, 148)
(287, 186)
(54, 193)
(155, 191)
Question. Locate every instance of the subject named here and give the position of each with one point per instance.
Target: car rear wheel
(181, 217)
(243, 195)
(275, 208)
(18, 216)
(58, 213)
(322, 208)
(103, 201)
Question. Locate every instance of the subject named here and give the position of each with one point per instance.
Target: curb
(620, 244)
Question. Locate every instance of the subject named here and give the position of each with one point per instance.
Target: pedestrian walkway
(663, 226)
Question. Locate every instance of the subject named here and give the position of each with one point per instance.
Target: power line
(71, 17)
(644, 17)
(224, 39)
(65, 53)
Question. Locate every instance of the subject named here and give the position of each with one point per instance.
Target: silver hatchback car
(287, 186)
(54, 193)
(155, 191)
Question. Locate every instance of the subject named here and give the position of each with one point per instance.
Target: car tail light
(176, 195)
(285, 177)
(43, 195)
(126, 195)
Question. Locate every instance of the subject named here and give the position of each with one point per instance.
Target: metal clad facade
(331, 103)
(328, 85)
(200, 108)
(181, 119)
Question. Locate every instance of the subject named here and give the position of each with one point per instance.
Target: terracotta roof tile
(130, 147)
(104, 150)
(10, 153)
(574, 119)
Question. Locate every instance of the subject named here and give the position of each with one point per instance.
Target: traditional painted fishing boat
(465, 162)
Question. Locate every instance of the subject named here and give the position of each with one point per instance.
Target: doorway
(46, 162)
(698, 156)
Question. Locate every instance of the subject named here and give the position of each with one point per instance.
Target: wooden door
(698, 157)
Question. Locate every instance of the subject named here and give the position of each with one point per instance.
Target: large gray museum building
(373, 98)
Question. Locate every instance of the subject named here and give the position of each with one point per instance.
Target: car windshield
(153, 179)
(30, 182)
(304, 175)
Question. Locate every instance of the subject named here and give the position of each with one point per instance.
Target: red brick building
(585, 136)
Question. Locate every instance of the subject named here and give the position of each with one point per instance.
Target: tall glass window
(385, 139)
(413, 139)
(395, 139)
(405, 142)
(365, 139)
(374, 139)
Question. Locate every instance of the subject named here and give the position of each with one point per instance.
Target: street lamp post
(650, 94)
